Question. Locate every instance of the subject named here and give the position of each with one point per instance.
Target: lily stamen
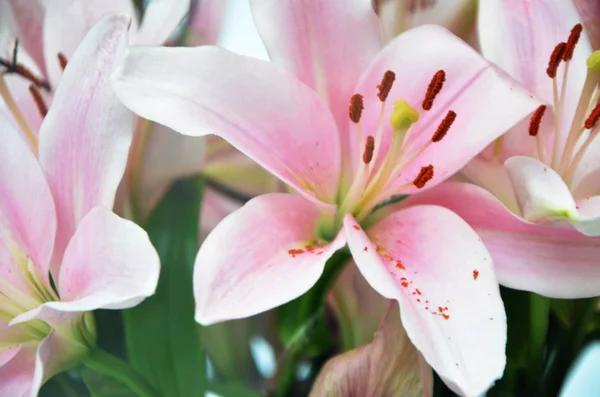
(534, 128)
(583, 108)
(435, 86)
(553, 64)
(387, 82)
(39, 101)
(425, 175)
(62, 60)
(11, 104)
(369, 148)
(437, 136)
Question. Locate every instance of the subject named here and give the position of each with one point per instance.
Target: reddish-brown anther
(386, 85)
(356, 108)
(62, 60)
(28, 74)
(435, 86)
(572, 42)
(555, 58)
(369, 149)
(39, 101)
(536, 120)
(444, 126)
(425, 175)
(593, 118)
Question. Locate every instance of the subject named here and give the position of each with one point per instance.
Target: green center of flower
(27, 291)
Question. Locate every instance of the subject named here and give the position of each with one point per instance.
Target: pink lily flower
(541, 203)
(63, 253)
(342, 161)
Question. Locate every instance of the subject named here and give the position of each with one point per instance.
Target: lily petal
(492, 175)
(519, 36)
(388, 366)
(85, 137)
(263, 111)
(588, 220)
(161, 18)
(449, 298)
(17, 365)
(415, 56)
(109, 263)
(29, 17)
(540, 191)
(54, 354)
(261, 256)
(27, 214)
(550, 260)
(325, 44)
(66, 22)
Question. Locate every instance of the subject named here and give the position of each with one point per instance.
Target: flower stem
(539, 312)
(115, 368)
(569, 346)
(306, 313)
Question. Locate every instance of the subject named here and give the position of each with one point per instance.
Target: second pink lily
(539, 214)
(343, 160)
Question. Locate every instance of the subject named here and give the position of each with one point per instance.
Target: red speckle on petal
(366, 248)
(418, 300)
(426, 308)
(491, 318)
(356, 227)
(475, 274)
(309, 248)
(446, 317)
(404, 284)
(294, 252)
(418, 292)
(440, 309)
(399, 265)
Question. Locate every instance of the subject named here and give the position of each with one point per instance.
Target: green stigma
(404, 115)
(593, 62)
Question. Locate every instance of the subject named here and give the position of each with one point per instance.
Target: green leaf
(163, 340)
(232, 390)
(102, 386)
